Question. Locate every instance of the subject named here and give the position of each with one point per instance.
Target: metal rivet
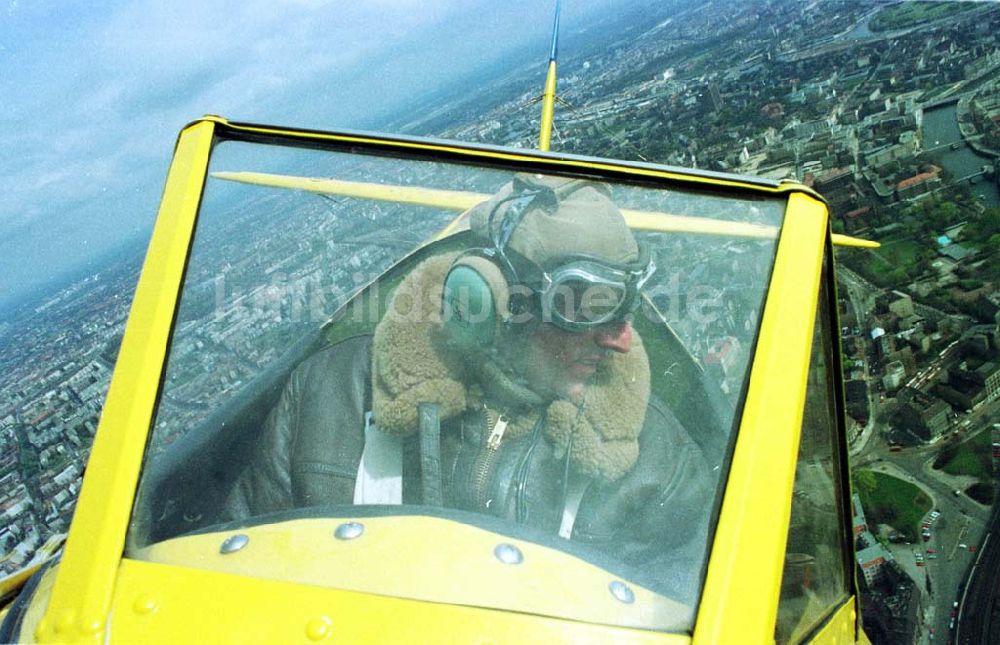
(65, 620)
(318, 628)
(349, 530)
(44, 630)
(622, 592)
(234, 543)
(508, 554)
(144, 604)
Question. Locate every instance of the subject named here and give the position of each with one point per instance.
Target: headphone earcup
(475, 303)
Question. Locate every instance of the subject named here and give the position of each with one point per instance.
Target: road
(977, 620)
(862, 298)
(945, 570)
(962, 522)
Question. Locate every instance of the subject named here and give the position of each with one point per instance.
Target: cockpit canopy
(311, 257)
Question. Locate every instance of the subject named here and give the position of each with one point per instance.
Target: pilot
(505, 380)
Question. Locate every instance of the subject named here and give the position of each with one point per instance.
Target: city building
(925, 417)
(964, 389)
(859, 523)
(990, 373)
(901, 305)
(917, 185)
(856, 393)
(872, 560)
(725, 353)
(895, 374)
(891, 606)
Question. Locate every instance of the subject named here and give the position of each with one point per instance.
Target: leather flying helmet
(555, 249)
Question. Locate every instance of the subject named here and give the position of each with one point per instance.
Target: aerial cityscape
(891, 111)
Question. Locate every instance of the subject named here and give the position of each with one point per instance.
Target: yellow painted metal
(471, 154)
(548, 107)
(169, 603)
(158, 603)
(82, 595)
(456, 200)
(669, 223)
(740, 598)
(43, 554)
(463, 200)
(822, 621)
(456, 565)
(39, 601)
(10, 585)
(841, 628)
(839, 239)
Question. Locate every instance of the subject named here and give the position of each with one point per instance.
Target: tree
(946, 214)
(986, 226)
(864, 483)
(992, 245)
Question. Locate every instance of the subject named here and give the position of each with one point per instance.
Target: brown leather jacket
(651, 524)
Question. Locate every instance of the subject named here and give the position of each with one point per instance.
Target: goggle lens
(579, 301)
(584, 294)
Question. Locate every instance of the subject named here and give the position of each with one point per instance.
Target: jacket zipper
(496, 425)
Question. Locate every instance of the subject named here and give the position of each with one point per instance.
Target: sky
(93, 95)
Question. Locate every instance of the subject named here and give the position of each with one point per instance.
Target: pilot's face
(561, 363)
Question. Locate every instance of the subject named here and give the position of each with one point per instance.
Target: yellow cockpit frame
(96, 594)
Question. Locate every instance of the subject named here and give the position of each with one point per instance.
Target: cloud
(95, 93)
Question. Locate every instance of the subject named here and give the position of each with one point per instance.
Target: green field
(894, 262)
(970, 458)
(893, 501)
(907, 14)
(902, 252)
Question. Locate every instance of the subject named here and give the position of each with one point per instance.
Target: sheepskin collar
(411, 365)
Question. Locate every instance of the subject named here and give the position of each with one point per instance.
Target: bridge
(974, 177)
(948, 100)
(986, 169)
(953, 145)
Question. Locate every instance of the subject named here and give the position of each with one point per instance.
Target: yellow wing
(462, 201)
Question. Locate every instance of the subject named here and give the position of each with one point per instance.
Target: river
(861, 30)
(941, 128)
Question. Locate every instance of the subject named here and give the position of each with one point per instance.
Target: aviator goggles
(584, 292)
(581, 292)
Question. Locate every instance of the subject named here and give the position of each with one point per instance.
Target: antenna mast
(549, 97)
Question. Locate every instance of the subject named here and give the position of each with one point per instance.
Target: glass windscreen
(537, 375)
(815, 580)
